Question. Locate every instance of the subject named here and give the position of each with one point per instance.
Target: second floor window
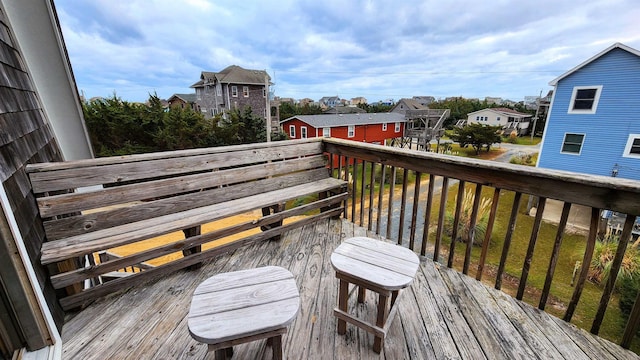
(384, 127)
(351, 131)
(397, 129)
(326, 132)
(245, 91)
(234, 91)
(218, 90)
(584, 99)
(292, 131)
(303, 132)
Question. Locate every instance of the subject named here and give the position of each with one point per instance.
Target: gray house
(232, 88)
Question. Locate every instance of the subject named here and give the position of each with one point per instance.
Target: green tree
(477, 135)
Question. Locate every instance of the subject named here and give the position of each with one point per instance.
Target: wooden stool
(237, 307)
(377, 266)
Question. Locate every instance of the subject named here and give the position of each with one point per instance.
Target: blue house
(593, 124)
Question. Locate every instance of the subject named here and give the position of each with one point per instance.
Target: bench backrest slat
(49, 179)
(149, 190)
(132, 212)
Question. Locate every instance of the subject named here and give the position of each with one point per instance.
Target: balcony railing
(427, 220)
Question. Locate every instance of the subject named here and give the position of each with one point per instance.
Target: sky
(376, 49)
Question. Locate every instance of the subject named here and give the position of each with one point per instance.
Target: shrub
(464, 226)
(605, 251)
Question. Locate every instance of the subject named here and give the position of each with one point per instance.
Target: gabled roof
(503, 111)
(333, 120)
(411, 104)
(188, 98)
(234, 74)
(595, 57)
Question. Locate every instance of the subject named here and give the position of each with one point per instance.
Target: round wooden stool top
(384, 265)
(241, 304)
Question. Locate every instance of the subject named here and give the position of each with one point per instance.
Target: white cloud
(370, 48)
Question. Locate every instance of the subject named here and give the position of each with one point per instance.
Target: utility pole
(535, 118)
(268, 105)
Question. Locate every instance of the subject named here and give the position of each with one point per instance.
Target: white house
(507, 118)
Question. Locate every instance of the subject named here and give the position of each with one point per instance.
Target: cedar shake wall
(25, 137)
(256, 100)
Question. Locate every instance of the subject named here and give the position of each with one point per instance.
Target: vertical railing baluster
(441, 215)
(586, 262)
(372, 185)
(414, 211)
(613, 273)
(555, 253)
(456, 222)
(487, 234)
(349, 185)
(354, 195)
(427, 216)
(383, 173)
(632, 324)
(507, 239)
(472, 228)
(403, 205)
(362, 188)
(392, 185)
(532, 244)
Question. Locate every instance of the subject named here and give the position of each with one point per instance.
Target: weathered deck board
(443, 314)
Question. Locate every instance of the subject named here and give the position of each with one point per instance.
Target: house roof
(411, 104)
(188, 98)
(595, 57)
(345, 110)
(503, 111)
(333, 120)
(233, 74)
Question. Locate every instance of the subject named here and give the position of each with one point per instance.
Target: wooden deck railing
(421, 218)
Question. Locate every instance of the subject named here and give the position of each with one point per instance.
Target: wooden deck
(444, 314)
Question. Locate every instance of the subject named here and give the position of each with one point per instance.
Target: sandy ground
(176, 236)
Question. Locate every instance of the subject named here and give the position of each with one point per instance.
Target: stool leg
(394, 297)
(224, 354)
(362, 292)
(382, 318)
(343, 297)
(276, 344)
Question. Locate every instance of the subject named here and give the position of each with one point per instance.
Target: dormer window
(584, 99)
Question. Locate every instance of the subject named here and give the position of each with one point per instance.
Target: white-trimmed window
(584, 99)
(572, 143)
(245, 91)
(351, 131)
(303, 132)
(264, 92)
(384, 126)
(397, 128)
(219, 90)
(292, 131)
(199, 93)
(326, 132)
(234, 91)
(633, 146)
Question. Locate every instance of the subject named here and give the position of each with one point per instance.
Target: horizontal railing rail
(388, 197)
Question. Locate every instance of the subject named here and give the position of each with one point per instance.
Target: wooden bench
(91, 206)
(233, 308)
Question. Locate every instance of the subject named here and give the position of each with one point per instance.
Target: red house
(367, 127)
